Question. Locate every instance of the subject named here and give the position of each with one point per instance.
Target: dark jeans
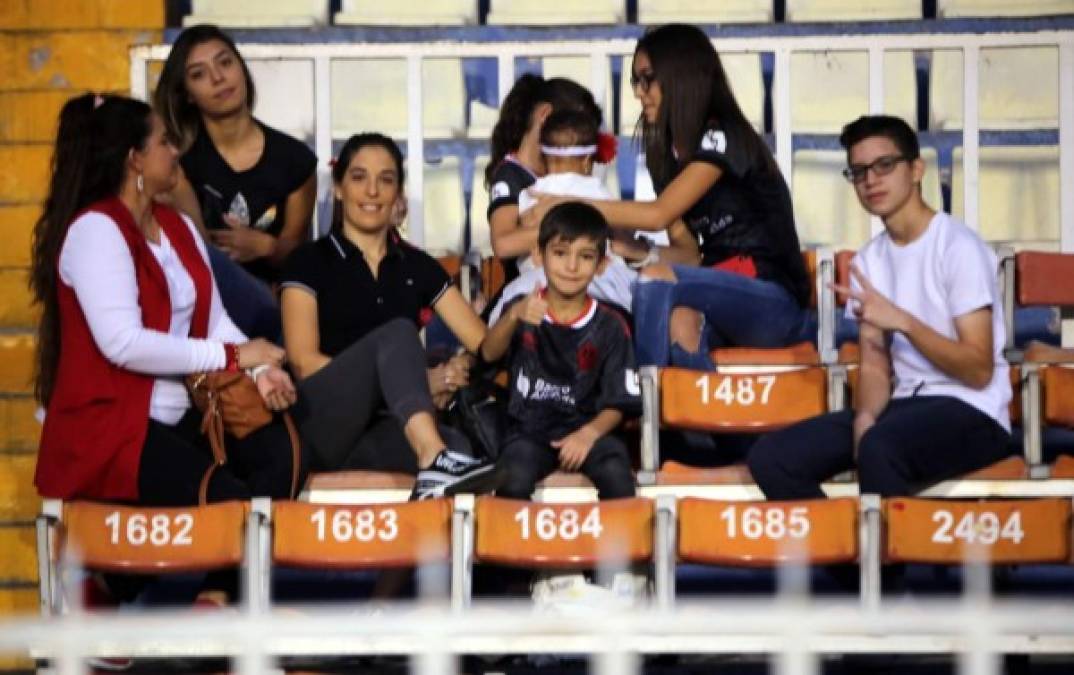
(175, 458)
(915, 442)
(249, 301)
(738, 311)
(340, 403)
(525, 462)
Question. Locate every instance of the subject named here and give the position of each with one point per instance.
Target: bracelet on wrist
(231, 357)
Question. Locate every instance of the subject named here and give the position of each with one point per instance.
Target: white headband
(569, 150)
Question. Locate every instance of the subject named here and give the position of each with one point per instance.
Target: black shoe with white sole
(453, 473)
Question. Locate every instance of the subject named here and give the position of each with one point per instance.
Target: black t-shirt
(509, 179)
(350, 301)
(747, 212)
(563, 375)
(257, 196)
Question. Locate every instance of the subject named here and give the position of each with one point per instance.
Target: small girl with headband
(570, 143)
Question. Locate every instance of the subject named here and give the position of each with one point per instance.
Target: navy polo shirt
(351, 302)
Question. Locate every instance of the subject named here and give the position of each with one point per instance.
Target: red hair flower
(607, 146)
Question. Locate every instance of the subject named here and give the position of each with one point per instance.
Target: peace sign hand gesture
(871, 306)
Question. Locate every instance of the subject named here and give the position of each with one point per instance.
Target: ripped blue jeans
(737, 310)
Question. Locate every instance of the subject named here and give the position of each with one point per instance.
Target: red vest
(98, 414)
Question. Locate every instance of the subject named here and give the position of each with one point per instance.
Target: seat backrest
(327, 536)
(764, 534)
(844, 79)
(658, 12)
(384, 80)
(949, 9)
(1057, 386)
(947, 531)
(146, 540)
(254, 14)
(1018, 88)
(800, 354)
(1017, 193)
(845, 10)
(563, 536)
(734, 402)
(1044, 278)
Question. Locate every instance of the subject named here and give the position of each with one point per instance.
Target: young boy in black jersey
(572, 365)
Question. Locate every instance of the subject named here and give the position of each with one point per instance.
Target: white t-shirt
(615, 284)
(96, 262)
(945, 273)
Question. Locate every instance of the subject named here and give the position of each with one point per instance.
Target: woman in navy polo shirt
(353, 303)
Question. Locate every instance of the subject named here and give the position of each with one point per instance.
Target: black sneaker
(453, 472)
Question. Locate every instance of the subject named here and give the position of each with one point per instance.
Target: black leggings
(525, 462)
(916, 441)
(342, 402)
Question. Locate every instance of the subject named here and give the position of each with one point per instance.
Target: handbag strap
(212, 425)
(296, 450)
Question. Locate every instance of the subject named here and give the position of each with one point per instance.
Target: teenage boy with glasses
(933, 389)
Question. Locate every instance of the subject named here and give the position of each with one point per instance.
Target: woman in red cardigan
(129, 307)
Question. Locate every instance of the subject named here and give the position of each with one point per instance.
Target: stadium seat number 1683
(567, 524)
(745, 391)
(363, 525)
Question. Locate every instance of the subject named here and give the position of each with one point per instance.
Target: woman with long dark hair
(353, 303)
(715, 176)
(250, 186)
(515, 161)
(128, 308)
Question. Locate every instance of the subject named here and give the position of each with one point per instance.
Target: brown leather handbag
(230, 403)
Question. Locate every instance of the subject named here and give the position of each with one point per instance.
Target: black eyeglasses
(881, 166)
(644, 80)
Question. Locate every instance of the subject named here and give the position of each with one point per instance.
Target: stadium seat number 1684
(567, 524)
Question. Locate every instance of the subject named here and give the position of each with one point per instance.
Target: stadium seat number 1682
(744, 391)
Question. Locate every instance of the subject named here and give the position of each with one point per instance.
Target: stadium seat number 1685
(745, 391)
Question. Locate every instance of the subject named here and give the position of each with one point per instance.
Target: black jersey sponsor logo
(542, 390)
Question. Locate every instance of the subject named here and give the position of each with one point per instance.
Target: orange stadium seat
(741, 402)
(765, 534)
(136, 540)
(1000, 532)
(1047, 379)
(563, 536)
(323, 536)
(753, 390)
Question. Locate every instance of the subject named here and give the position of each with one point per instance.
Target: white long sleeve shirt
(95, 261)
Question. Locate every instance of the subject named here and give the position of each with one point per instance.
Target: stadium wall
(50, 50)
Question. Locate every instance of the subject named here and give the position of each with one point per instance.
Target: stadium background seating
(57, 49)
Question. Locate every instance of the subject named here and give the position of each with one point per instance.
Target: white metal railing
(601, 50)
(793, 630)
